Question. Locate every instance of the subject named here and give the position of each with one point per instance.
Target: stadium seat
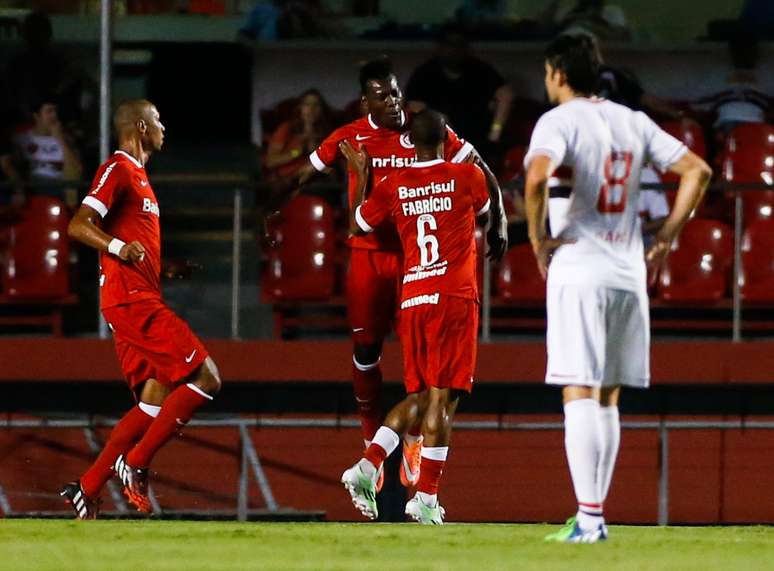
(513, 163)
(690, 133)
(757, 279)
(37, 268)
(698, 268)
(748, 159)
(518, 279)
(301, 267)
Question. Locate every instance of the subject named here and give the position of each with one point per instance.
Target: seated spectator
(44, 150)
(742, 100)
(292, 142)
(469, 91)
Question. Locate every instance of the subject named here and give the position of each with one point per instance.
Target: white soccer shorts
(597, 337)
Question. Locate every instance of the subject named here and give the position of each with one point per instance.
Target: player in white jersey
(598, 336)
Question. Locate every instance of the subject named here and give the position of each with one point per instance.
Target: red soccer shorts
(439, 343)
(373, 290)
(153, 343)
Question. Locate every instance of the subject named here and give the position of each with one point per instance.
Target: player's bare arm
(536, 201)
(359, 163)
(84, 228)
(497, 235)
(695, 175)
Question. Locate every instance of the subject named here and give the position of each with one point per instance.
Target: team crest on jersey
(405, 141)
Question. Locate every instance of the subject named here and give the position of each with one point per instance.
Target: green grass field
(166, 545)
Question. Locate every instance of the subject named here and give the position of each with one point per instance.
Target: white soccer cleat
(362, 489)
(420, 512)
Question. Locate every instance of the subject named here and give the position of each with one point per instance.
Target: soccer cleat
(362, 489)
(420, 512)
(135, 482)
(83, 507)
(572, 533)
(410, 463)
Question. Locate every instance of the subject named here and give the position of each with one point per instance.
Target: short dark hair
(578, 57)
(428, 128)
(36, 101)
(377, 69)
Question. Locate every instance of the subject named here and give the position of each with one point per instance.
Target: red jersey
(124, 198)
(390, 151)
(434, 205)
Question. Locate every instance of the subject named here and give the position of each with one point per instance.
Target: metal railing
(250, 461)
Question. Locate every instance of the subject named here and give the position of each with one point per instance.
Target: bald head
(128, 113)
(428, 129)
(138, 120)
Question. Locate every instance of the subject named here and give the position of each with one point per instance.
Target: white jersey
(43, 153)
(606, 145)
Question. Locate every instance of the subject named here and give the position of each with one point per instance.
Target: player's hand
(657, 254)
(544, 251)
(497, 239)
(132, 252)
(358, 159)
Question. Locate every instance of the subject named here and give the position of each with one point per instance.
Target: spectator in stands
(292, 142)
(272, 20)
(470, 92)
(42, 67)
(44, 150)
(742, 100)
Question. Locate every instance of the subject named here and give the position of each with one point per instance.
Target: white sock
(387, 438)
(610, 428)
(583, 443)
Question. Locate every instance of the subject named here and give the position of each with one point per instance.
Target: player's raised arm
(695, 175)
(359, 163)
(83, 228)
(536, 201)
(497, 235)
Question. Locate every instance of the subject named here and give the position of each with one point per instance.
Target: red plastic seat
(748, 158)
(699, 266)
(690, 133)
(301, 267)
(513, 163)
(38, 253)
(757, 277)
(518, 278)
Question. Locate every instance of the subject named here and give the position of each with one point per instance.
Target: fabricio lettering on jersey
(392, 161)
(431, 299)
(427, 205)
(149, 206)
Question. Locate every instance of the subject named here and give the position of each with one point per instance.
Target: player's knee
(366, 357)
(208, 378)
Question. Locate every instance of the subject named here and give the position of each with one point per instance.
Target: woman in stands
(295, 139)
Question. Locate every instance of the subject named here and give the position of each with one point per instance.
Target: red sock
(375, 454)
(177, 410)
(368, 388)
(124, 435)
(430, 475)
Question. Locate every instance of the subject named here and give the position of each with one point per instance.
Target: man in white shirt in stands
(598, 336)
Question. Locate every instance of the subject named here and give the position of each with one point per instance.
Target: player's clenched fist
(132, 252)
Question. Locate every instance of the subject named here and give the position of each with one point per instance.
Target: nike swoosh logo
(143, 183)
(357, 329)
(412, 476)
(191, 356)
(362, 138)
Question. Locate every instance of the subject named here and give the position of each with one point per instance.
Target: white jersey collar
(130, 157)
(419, 165)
